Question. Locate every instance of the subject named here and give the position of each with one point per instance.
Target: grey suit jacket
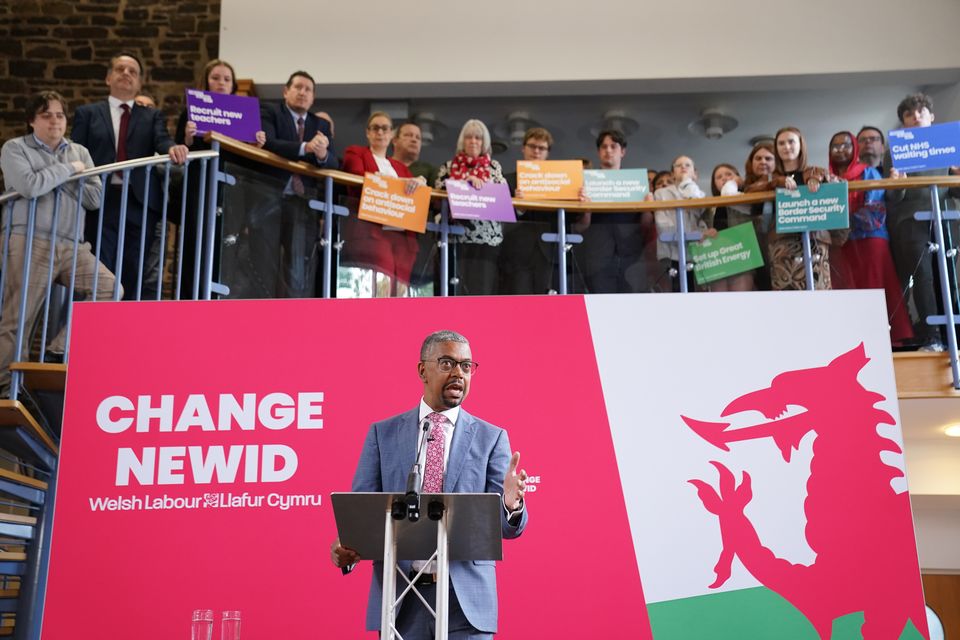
(479, 457)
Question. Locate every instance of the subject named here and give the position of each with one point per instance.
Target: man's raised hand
(514, 484)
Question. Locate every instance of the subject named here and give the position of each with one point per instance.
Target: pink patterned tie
(433, 468)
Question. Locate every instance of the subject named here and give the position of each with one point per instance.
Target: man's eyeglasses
(446, 365)
(537, 147)
(863, 139)
(380, 128)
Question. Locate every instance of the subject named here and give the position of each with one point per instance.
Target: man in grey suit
(477, 459)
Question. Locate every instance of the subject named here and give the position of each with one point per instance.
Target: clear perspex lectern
(469, 529)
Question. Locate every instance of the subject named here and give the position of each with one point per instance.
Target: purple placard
(234, 116)
(489, 202)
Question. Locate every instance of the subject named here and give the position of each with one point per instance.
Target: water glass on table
(202, 625)
(230, 625)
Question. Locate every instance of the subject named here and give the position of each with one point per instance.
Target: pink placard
(257, 541)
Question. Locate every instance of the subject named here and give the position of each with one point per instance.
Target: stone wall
(66, 45)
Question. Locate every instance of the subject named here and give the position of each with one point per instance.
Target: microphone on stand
(415, 479)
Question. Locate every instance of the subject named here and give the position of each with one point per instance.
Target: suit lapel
(463, 433)
(311, 127)
(136, 115)
(289, 124)
(405, 446)
(108, 123)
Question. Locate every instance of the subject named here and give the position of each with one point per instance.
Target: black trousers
(299, 248)
(477, 269)
(136, 270)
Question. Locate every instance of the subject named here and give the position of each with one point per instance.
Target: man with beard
(866, 253)
(463, 454)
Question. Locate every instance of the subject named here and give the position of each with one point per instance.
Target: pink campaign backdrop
(139, 574)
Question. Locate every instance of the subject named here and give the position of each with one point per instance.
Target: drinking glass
(201, 627)
(230, 626)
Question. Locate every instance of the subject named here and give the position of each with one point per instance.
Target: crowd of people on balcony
(884, 247)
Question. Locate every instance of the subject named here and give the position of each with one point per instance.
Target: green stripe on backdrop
(746, 614)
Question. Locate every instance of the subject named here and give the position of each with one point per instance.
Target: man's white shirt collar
(116, 102)
(449, 414)
(296, 116)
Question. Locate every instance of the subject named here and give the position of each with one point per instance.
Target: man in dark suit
(296, 134)
(98, 127)
(464, 454)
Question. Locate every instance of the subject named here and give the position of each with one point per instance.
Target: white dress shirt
(451, 416)
(115, 113)
(296, 119)
(385, 168)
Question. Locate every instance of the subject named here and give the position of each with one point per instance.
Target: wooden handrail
(266, 157)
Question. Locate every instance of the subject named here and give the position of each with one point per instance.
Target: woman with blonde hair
(367, 245)
(478, 250)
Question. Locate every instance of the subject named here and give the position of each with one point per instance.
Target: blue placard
(802, 210)
(923, 148)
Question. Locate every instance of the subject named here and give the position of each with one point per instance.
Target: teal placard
(620, 185)
(733, 251)
(802, 210)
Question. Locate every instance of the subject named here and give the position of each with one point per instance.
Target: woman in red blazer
(367, 245)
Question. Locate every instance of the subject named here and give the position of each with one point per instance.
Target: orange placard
(550, 179)
(385, 201)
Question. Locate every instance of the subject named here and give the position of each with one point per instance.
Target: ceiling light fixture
(515, 127)
(430, 127)
(712, 124)
(618, 120)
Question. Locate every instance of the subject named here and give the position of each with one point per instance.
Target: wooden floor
(924, 375)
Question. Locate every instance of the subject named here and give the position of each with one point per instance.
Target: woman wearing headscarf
(866, 254)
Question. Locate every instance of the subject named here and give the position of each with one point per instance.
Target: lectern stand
(468, 529)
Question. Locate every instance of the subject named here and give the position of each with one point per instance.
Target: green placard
(733, 251)
(802, 210)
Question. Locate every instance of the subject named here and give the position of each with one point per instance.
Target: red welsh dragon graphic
(857, 525)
